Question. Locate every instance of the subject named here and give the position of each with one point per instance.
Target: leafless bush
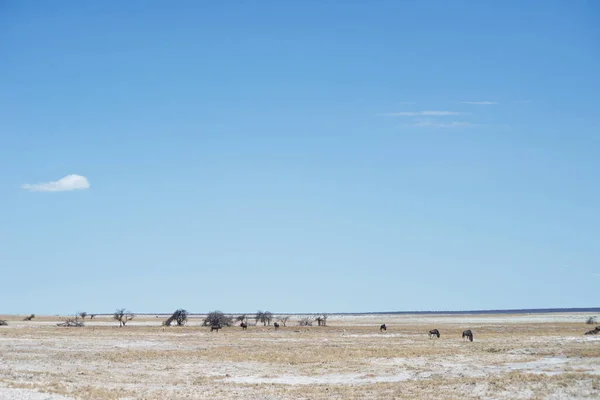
(123, 316)
(283, 319)
(3, 322)
(72, 322)
(217, 318)
(29, 318)
(591, 321)
(305, 321)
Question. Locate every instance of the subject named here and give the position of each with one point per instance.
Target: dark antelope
(276, 325)
(215, 328)
(468, 334)
(244, 326)
(594, 331)
(434, 332)
(382, 328)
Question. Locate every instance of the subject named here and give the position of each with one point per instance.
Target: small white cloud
(69, 182)
(422, 114)
(479, 103)
(435, 124)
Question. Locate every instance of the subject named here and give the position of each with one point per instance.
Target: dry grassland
(512, 357)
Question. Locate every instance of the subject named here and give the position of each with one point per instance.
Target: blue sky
(304, 157)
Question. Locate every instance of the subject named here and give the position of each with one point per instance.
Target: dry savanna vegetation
(545, 356)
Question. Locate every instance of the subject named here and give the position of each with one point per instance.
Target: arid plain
(534, 356)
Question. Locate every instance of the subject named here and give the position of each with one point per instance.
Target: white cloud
(422, 114)
(435, 124)
(479, 103)
(69, 182)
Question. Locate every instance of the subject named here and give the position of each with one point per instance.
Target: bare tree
(283, 319)
(123, 316)
(29, 318)
(83, 314)
(180, 316)
(259, 316)
(263, 316)
(591, 321)
(217, 318)
(322, 319)
(241, 318)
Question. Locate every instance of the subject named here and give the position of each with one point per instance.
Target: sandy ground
(542, 356)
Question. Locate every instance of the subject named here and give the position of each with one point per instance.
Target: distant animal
(434, 332)
(244, 326)
(468, 334)
(382, 328)
(594, 331)
(276, 325)
(215, 328)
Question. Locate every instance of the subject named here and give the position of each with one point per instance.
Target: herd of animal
(432, 333)
(436, 333)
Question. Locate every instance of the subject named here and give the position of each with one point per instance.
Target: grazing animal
(594, 331)
(215, 328)
(382, 328)
(276, 325)
(468, 334)
(434, 332)
(244, 326)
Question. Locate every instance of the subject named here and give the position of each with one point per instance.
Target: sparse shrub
(123, 316)
(217, 318)
(3, 322)
(591, 321)
(29, 318)
(305, 321)
(72, 322)
(283, 319)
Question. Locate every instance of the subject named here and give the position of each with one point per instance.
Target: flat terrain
(542, 356)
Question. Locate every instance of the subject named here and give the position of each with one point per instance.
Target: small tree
(217, 318)
(83, 315)
(123, 316)
(283, 319)
(263, 316)
(322, 319)
(241, 318)
(591, 321)
(181, 317)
